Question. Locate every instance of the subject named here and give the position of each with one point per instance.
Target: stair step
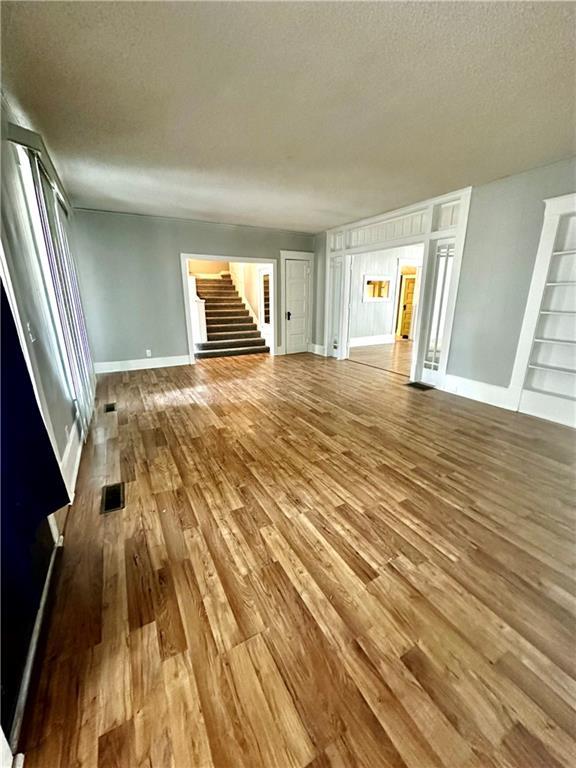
(224, 306)
(241, 325)
(230, 344)
(219, 297)
(232, 351)
(222, 313)
(233, 334)
(214, 283)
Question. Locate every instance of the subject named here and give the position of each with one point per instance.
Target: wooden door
(408, 285)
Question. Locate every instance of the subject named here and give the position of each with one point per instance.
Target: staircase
(230, 329)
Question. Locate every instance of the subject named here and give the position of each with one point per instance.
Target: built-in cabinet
(546, 361)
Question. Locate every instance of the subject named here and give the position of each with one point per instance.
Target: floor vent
(109, 407)
(418, 385)
(112, 498)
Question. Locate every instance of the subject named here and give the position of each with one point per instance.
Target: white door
(442, 256)
(297, 305)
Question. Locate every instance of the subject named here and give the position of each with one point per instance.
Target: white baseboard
(144, 362)
(367, 341)
(317, 349)
(548, 407)
(32, 648)
(503, 397)
(71, 459)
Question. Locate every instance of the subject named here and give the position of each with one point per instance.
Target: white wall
(245, 278)
(375, 320)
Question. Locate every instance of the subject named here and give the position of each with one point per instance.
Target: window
(48, 217)
(376, 288)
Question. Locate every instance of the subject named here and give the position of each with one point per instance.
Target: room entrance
(384, 297)
(229, 306)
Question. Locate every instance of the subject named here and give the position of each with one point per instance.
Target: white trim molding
(543, 406)
(32, 648)
(117, 366)
(71, 459)
(368, 341)
(317, 349)
(491, 394)
(440, 219)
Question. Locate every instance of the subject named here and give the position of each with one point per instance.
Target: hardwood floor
(396, 358)
(316, 566)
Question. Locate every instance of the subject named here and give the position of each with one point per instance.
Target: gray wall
(501, 243)
(131, 281)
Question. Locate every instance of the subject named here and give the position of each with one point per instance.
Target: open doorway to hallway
(229, 307)
(385, 292)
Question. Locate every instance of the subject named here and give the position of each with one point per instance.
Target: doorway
(384, 299)
(229, 304)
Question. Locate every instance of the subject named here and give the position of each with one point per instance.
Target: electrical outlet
(148, 353)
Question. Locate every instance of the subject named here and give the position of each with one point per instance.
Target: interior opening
(230, 307)
(385, 291)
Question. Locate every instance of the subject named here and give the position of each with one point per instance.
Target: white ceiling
(292, 115)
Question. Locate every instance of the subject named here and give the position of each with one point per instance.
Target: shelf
(563, 282)
(554, 341)
(558, 312)
(564, 253)
(553, 368)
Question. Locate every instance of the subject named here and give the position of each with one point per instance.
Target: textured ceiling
(293, 115)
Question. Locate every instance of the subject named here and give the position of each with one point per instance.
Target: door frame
(267, 329)
(419, 263)
(296, 256)
(275, 349)
(437, 219)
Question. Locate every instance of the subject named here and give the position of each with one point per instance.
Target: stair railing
(197, 313)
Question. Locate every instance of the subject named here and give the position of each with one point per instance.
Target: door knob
(288, 315)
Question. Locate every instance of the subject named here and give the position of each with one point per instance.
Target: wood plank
(316, 567)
